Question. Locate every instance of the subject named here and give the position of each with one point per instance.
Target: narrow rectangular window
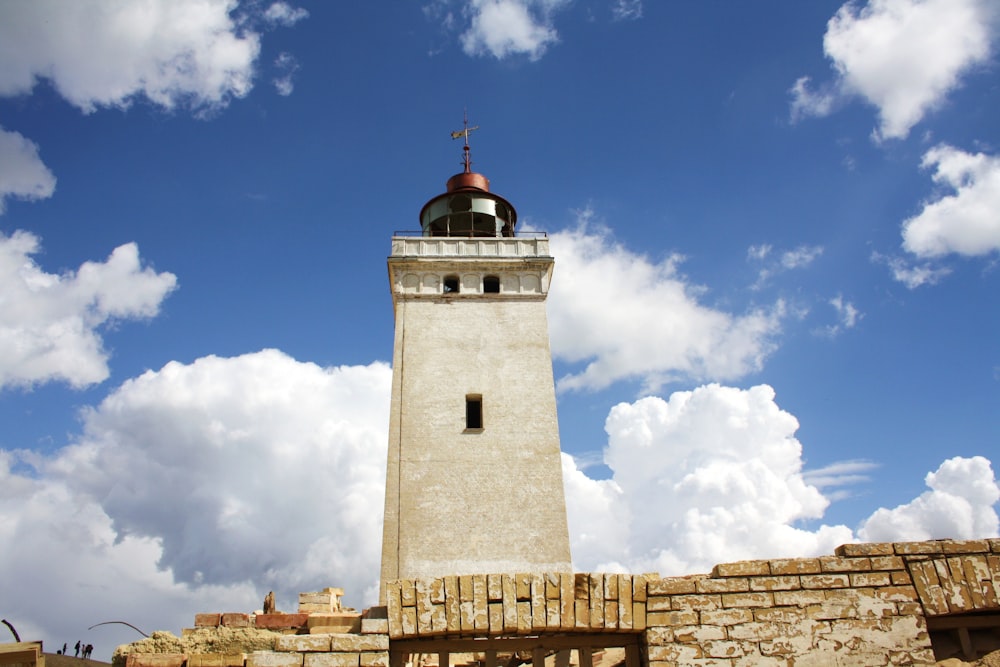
(474, 411)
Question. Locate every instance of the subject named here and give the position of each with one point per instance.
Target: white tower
(474, 479)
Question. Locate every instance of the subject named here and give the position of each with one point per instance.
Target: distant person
(88, 650)
(77, 647)
(64, 649)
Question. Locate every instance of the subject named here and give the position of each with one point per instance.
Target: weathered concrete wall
(462, 499)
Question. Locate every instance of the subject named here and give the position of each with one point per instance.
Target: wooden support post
(586, 654)
(538, 657)
(562, 658)
(491, 659)
(632, 657)
(443, 659)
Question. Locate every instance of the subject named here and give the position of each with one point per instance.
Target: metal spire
(467, 158)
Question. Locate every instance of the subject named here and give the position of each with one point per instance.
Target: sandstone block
(452, 604)
(394, 609)
(901, 578)
(408, 592)
(906, 548)
(596, 601)
(538, 606)
(331, 660)
(743, 568)
(552, 617)
(334, 623)
(216, 660)
(234, 620)
(660, 603)
(552, 580)
(409, 621)
(696, 602)
(567, 603)
(672, 618)
(207, 620)
(496, 618)
(779, 615)
(727, 616)
(375, 659)
(524, 618)
(698, 634)
(494, 587)
(610, 586)
(731, 585)
(272, 659)
(358, 643)
(887, 563)
(715, 648)
(640, 583)
(659, 636)
(865, 549)
(639, 616)
(581, 612)
(155, 659)
(376, 626)
(675, 654)
(523, 582)
(798, 598)
(965, 546)
(775, 583)
(789, 566)
(838, 564)
(761, 631)
(863, 579)
(747, 599)
(825, 581)
(671, 586)
(280, 621)
(896, 593)
(302, 643)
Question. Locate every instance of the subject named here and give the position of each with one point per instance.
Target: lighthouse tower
(474, 480)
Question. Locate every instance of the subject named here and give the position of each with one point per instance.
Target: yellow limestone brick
(910, 548)
(730, 585)
(452, 604)
(838, 564)
(537, 602)
(639, 582)
(408, 592)
(439, 619)
(481, 618)
(494, 587)
(552, 621)
(976, 571)
(496, 618)
(523, 587)
(596, 601)
(582, 613)
(863, 579)
(744, 568)
(552, 585)
(347, 643)
(272, 659)
(425, 608)
(524, 618)
(216, 660)
(952, 581)
(610, 587)
(567, 604)
(394, 608)
(781, 566)
(333, 659)
(302, 643)
(466, 606)
(509, 586)
(624, 602)
(375, 659)
(887, 563)
(965, 546)
(638, 615)
(865, 549)
(409, 621)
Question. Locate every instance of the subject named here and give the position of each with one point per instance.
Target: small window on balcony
(491, 284)
(451, 284)
(473, 412)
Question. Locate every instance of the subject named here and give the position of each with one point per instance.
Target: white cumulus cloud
(22, 173)
(49, 323)
(104, 54)
(502, 28)
(706, 476)
(965, 221)
(959, 505)
(628, 317)
(902, 56)
(200, 487)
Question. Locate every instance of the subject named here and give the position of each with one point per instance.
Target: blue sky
(774, 313)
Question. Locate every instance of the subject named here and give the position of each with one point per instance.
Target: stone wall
(869, 604)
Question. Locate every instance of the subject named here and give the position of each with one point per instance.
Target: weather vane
(465, 133)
